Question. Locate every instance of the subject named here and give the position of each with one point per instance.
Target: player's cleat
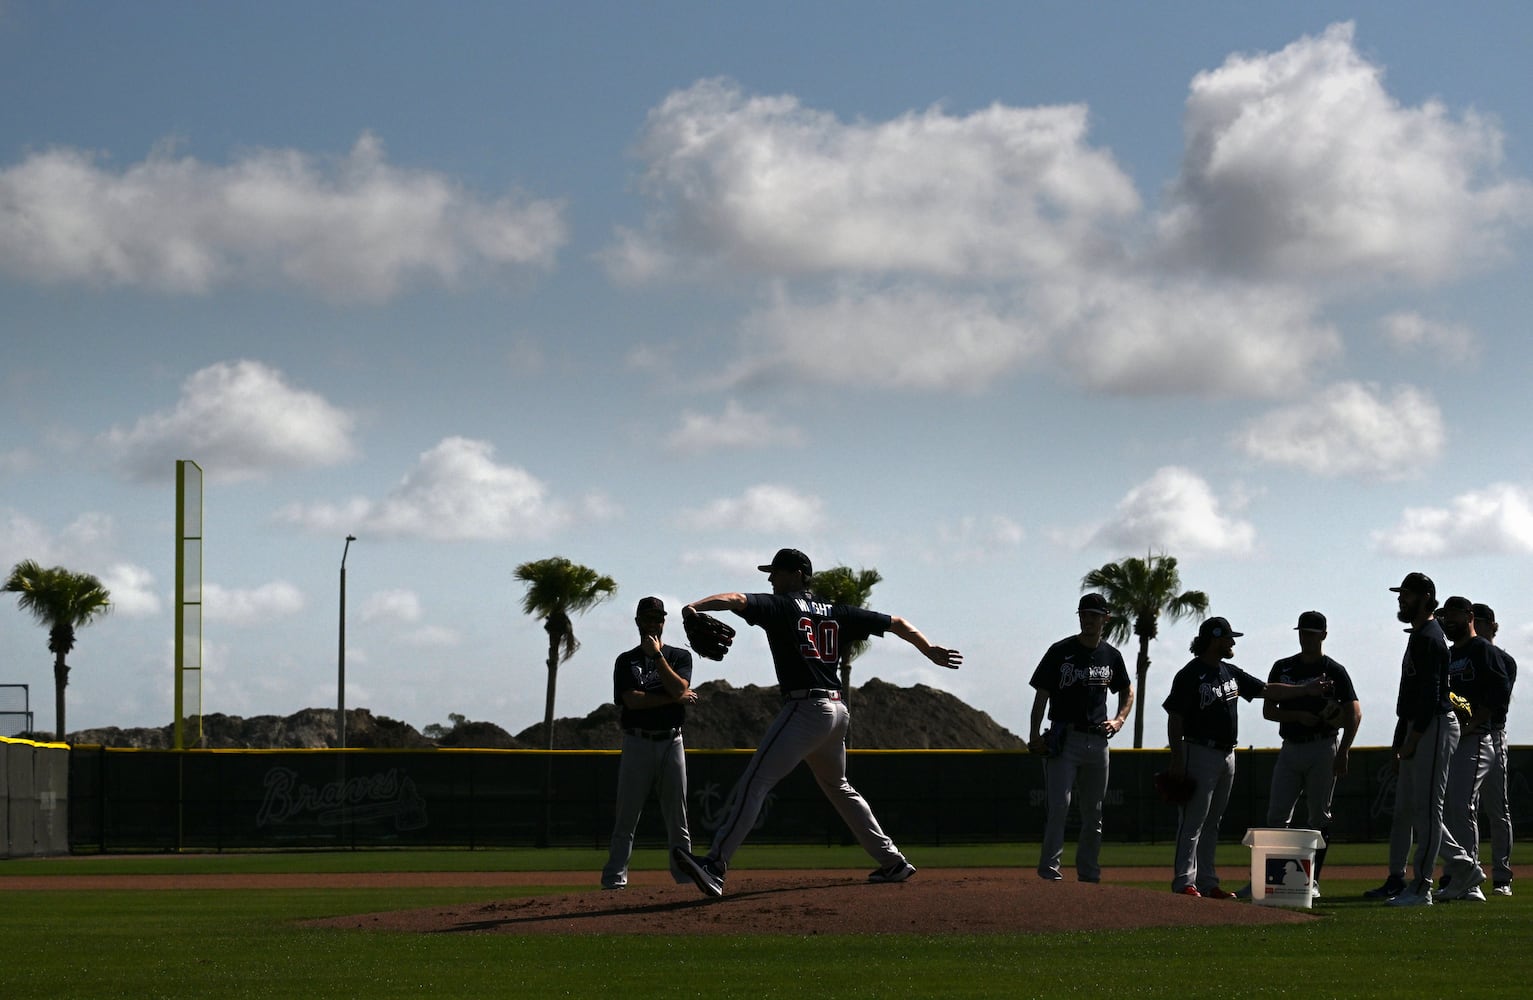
(1244, 892)
(614, 885)
(1503, 889)
(1460, 888)
(1475, 895)
(1050, 876)
(897, 872)
(1314, 890)
(1216, 893)
(708, 873)
(1392, 887)
(1188, 890)
(1408, 898)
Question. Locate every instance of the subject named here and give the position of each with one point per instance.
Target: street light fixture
(340, 711)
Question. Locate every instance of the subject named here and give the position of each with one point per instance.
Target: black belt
(1211, 744)
(1095, 730)
(1310, 737)
(829, 694)
(658, 735)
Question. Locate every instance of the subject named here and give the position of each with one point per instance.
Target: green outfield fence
(120, 800)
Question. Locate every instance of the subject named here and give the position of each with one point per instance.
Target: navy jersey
(806, 635)
(1077, 679)
(1477, 671)
(1293, 670)
(1204, 694)
(1498, 720)
(634, 671)
(1423, 692)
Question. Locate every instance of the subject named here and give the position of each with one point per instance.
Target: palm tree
(556, 588)
(63, 601)
(844, 585)
(1138, 591)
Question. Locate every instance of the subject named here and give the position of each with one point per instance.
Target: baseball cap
(1094, 603)
(789, 559)
(1457, 603)
(1417, 583)
(651, 606)
(1311, 621)
(1484, 613)
(1217, 628)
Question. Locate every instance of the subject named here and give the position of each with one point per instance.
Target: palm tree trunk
(1141, 670)
(60, 681)
(546, 834)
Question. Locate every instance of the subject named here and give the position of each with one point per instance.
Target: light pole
(340, 711)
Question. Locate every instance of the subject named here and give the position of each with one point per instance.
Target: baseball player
(1426, 734)
(1475, 672)
(1202, 724)
(804, 634)
(1497, 804)
(1072, 681)
(1315, 751)
(651, 684)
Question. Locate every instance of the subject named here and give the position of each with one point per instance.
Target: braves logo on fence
(360, 798)
(713, 812)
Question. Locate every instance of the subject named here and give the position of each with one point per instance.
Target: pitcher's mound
(935, 901)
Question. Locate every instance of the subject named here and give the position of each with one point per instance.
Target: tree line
(1138, 593)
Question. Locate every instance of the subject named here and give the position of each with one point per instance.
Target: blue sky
(980, 295)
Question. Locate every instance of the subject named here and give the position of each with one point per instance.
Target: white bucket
(1283, 866)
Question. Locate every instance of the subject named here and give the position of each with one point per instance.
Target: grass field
(138, 944)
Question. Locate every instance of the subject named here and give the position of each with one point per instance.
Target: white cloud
(132, 590)
(762, 508)
(1494, 521)
(974, 538)
(908, 336)
(16, 461)
(727, 560)
(1350, 429)
(433, 636)
(349, 228)
(773, 186)
(238, 420)
(392, 605)
(1174, 511)
(736, 427)
(256, 606)
(456, 492)
(78, 546)
(1144, 335)
(1450, 342)
(1300, 164)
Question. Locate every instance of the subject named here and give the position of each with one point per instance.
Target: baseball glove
(1173, 789)
(1461, 706)
(1332, 715)
(708, 636)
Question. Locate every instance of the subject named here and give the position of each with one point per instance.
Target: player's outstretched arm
(940, 655)
(720, 602)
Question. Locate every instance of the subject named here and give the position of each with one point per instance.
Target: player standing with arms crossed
(805, 635)
(1315, 747)
(651, 684)
(1072, 680)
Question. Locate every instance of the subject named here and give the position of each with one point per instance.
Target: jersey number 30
(822, 639)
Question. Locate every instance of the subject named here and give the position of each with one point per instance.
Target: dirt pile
(884, 717)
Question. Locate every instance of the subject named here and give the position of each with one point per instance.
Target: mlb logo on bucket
(1291, 874)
